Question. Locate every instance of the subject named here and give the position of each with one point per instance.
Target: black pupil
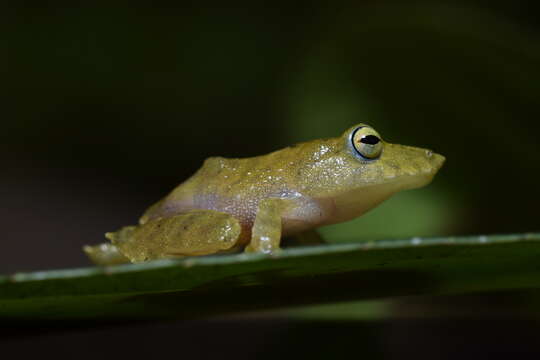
(370, 140)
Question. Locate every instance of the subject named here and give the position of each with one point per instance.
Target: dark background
(106, 106)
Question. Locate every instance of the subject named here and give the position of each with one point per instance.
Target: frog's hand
(196, 232)
(266, 230)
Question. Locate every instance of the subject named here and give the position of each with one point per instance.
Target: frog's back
(236, 186)
(229, 185)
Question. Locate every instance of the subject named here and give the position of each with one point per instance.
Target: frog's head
(368, 170)
(378, 162)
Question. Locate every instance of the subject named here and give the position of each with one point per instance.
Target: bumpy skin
(286, 192)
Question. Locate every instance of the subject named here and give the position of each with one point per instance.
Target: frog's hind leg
(108, 254)
(105, 254)
(196, 232)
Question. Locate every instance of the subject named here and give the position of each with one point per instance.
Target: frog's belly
(307, 214)
(304, 214)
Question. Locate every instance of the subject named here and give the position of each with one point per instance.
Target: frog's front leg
(267, 227)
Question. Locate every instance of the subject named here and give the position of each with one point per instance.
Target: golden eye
(367, 142)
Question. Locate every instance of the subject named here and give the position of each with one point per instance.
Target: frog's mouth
(405, 167)
(419, 178)
(357, 201)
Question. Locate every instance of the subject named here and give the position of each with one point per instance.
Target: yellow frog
(253, 202)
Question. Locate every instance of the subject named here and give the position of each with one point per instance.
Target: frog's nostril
(438, 160)
(429, 153)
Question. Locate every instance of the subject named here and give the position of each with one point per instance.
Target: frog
(251, 203)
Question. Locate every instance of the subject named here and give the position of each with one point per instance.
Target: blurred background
(107, 106)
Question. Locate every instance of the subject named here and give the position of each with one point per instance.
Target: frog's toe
(105, 254)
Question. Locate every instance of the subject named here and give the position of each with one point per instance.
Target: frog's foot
(266, 230)
(105, 254)
(305, 238)
(196, 232)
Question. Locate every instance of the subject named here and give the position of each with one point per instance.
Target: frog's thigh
(196, 232)
(266, 230)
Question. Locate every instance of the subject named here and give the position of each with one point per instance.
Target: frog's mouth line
(413, 181)
(405, 181)
(356, 202)
(400, 182)
(409, 182)
(422, 178)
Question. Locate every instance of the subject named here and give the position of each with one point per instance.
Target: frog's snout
(435, 160)
(424, 169)
(428, 163)
(417, 166)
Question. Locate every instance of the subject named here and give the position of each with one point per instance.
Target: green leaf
(203, 286)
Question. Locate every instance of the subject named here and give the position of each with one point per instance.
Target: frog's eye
(367, 142)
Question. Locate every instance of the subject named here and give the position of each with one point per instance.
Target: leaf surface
(203, 286)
